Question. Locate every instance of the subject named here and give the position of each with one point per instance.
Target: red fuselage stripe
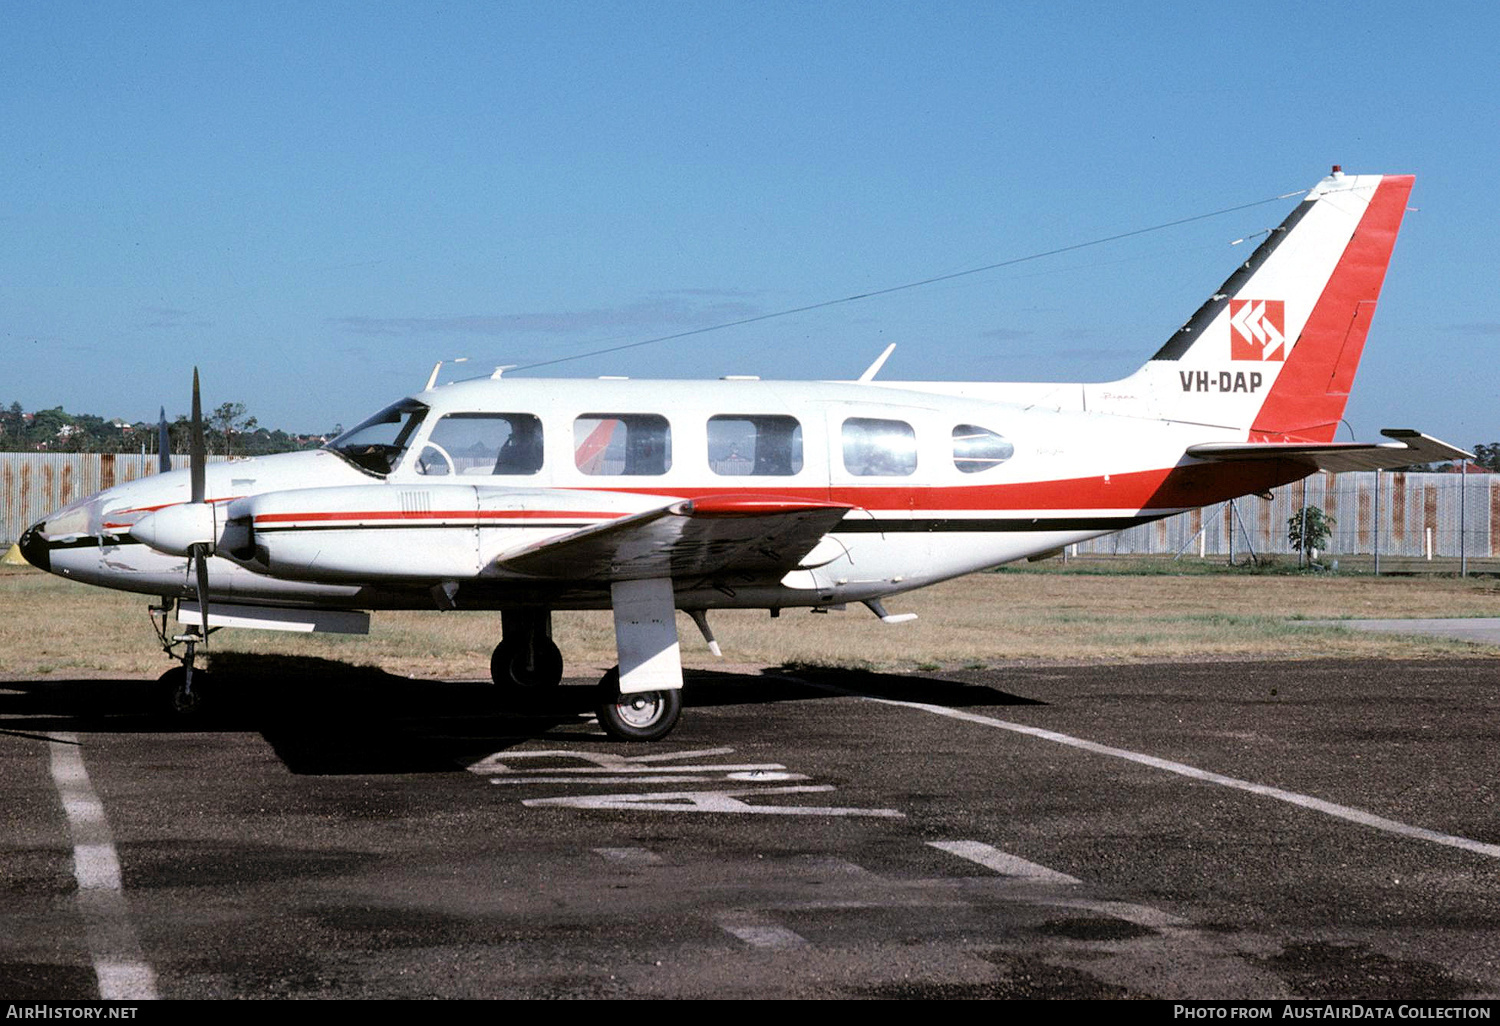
(1172, 489)
(442, 514)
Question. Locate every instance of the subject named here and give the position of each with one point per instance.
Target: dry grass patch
(52, 627)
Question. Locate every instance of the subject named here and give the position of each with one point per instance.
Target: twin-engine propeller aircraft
(644, 497)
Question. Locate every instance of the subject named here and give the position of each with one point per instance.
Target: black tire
(508, 666)
(645, 716)
(174, 702)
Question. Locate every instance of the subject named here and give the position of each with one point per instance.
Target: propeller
(189, 528)
(197, 457)
(163, 445)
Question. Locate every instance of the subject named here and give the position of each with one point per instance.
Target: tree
(1309, 529)
(228, 420)
(1488, 456)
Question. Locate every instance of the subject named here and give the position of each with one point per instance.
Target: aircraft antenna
(874, 368)
(909, 285)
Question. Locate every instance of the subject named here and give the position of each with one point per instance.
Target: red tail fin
(1309, 395)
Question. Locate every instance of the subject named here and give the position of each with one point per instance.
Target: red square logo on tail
(1257, 329)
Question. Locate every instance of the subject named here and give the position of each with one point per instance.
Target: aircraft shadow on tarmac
(322, 716)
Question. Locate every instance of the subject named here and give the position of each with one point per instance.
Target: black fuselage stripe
(929, 525)
(903, 525)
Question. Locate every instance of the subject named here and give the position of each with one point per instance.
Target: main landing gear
(528, 667)
(526, 659)
(643, 716)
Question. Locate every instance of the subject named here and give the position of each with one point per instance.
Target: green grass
(55, 628)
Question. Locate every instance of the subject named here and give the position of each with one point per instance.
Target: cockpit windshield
(378, 444)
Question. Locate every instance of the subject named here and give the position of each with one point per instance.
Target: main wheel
(643, 716)
(509, 666)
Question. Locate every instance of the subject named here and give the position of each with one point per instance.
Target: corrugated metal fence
(33, 484)
(1415, 515)
(1394, 514)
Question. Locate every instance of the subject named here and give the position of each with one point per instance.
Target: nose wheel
(181, 688)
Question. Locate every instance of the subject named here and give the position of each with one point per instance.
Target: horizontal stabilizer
(1408, 448)
(751, 534)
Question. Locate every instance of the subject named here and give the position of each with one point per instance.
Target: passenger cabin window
(754, 446)
(482, 443)
(612, 444)
(879, 448)
(976, 448)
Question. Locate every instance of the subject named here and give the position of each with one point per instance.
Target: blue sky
(313, 202)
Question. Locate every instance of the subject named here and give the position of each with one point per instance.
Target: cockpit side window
(622, 443)
(879, 448)
(505, 444)
(377, 444)
(758, 446)
(976, 449)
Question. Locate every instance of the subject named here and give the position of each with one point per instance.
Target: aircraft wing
(1409, 447)
(690, 538)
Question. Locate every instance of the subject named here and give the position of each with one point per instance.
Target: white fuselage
(939, 485)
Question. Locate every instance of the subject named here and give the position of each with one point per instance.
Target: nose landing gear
(181, 688)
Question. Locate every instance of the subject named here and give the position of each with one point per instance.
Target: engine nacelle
(423, 535)
(363, 533)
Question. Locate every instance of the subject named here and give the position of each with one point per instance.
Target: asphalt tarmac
(1323, 829)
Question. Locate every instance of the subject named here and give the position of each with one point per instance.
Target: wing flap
(1409, 447)
(752, 534)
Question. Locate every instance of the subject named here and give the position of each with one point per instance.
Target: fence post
(1377, 521)
(1463, 508)
(1302, 557)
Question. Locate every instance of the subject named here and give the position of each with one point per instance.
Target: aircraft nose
(34, 547)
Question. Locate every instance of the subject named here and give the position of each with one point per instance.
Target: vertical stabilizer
(1273, 352)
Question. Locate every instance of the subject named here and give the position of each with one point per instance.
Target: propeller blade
(197, 454)
(200, 570)
(163, 445)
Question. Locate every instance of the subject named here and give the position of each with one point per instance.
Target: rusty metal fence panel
(1399, 515)
(33, 484)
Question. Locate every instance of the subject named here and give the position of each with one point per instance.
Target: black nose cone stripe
(34, 547)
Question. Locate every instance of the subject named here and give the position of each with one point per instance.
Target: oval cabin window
(976, 448)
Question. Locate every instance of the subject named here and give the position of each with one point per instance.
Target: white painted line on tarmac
(1003, 863)
(1344, 812)
(710, 801)
(765, 936)
(96, 867)
(630, 856)
(119, 963)
(697, 753)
